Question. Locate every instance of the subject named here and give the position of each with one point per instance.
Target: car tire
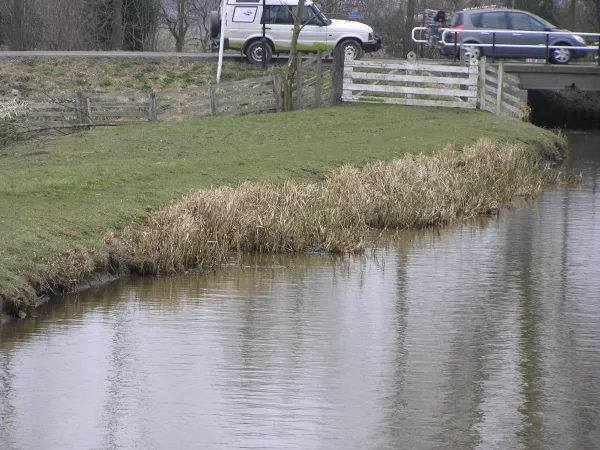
(254, 52)
(560, 55)
(351, 49)
(472, 50)
(215, 24)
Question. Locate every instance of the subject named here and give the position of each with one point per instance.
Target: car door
(524, 22)
(495, 20)
(279, 22)
(314, 32)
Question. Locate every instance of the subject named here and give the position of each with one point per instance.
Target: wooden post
(89, 109)
(299, 80)
(499, 88)
(81, 106)
(152, 106)
(337, 74)
(213, 100)
(277, 91)
(481, 82)
(473, 81)
(318, 80)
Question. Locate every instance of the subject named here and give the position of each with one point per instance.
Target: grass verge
(70, 205)
(37, 75)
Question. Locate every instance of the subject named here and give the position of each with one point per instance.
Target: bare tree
(116, 38)
(18, 37)
(201, 9)
(292, 68)
(175, 14)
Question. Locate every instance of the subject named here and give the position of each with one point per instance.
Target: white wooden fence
(499, 92)
(473, 85)
(411, 83)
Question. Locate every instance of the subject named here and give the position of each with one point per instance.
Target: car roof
(267, 2)
(481, 10)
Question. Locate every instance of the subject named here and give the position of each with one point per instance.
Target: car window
(278, 15)
(537, 25)
(308, 16)
(495, 20)
(457, 20)
(521, 21)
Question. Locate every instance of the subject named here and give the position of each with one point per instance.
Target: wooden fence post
(89, 109)
(319, 76)
(481, 84)
(499, 88)
(337, 74)
(278, 93)
(213, 100)
(152, 106)
(82, 117)
(299, 80)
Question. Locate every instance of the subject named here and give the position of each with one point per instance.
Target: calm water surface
(481, 336)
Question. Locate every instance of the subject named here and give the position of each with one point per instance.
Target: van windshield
(316, 12)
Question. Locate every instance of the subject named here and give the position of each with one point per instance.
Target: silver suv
(481, 20)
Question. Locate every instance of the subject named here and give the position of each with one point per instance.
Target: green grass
(38, 76)
(63, 191)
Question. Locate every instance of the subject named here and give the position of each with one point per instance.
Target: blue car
(514, 22)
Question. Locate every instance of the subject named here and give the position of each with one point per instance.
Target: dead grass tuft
(417, 191)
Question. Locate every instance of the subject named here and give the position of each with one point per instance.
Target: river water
(484, 335)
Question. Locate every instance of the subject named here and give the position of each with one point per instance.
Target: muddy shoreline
(120, 269)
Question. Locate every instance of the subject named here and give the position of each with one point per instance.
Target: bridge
(583, 77)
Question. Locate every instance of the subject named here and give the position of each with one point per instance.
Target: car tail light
(460, 27)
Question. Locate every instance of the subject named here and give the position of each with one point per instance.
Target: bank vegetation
(169, 197)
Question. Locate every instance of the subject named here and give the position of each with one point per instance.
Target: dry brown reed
(204, 228)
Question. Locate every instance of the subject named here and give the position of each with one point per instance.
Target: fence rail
(409, 83)
(257, 95)
(499, 92)
(478, 85)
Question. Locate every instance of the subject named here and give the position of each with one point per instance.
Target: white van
(244, 21)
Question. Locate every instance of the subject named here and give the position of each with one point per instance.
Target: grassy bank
(66, 193)
(39, 75)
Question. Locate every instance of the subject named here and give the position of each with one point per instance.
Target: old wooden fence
(499, 92)
(257, 95)
(474, 85)
(408, 83)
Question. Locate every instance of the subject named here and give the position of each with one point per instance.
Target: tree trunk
(408, 44)
(181, 26)
(18, 38)
(290, 75)
(116, 38)
(154, 27)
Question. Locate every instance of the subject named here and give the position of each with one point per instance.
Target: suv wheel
(472, 51)
(560, 55)
(254, 52)
(351, 49)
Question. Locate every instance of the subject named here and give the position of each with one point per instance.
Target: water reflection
(486, 335)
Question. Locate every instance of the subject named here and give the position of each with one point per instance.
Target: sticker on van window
(244, 14)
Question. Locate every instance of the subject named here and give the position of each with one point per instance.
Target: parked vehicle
(244, 20)
(483, 23)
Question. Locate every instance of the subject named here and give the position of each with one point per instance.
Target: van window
(285, 15)
(457, 20)
(278, 14)
(520, 21)
(494, 20)
(244, 14)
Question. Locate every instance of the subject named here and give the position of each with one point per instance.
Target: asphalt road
(102, 54)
